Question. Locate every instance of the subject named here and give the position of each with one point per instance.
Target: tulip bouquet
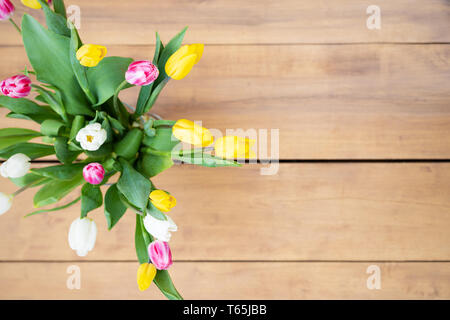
(96, 137)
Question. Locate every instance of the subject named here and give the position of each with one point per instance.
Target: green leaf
(170, 49)
(11, 136)
(141, 240)
(106, 77)
(165, 284)
(114, 208)
(55, 22)
(51, 127)
(29, 108)
(162, 141)
(204, 159)
(55, 190)
(158, 123)
(104, 151)
(60, 172)
(48, 53)
(54, 100)
(32, 150)
(54, 209)
(78, 69)
(151, 165)
(91, 198)
(63, 153)
(59, 7)
(134, 186)
(30, 179)
(129, 145)
(155, 212)
(77, 125)
(155, 94)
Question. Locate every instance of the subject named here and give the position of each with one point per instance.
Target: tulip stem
(116, 101)
(19, 191)
(15, 25)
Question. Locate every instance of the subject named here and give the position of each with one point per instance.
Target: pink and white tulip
(16, 87)
(94, 173)
(160, 254)
(6, 9)
(141, 73)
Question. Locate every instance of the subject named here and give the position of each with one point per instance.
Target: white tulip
(5, 202)
(82, 235)
(16, 166)
(91, 137)
(160, 229)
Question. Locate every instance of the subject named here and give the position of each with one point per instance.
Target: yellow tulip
(90, 55)
(231, 147)
(189, 132)
(145, 275)
(181, 62)
(34, 4)
(162, 200)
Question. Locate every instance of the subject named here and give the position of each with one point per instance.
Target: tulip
(231, 147)
(160, 254)
(160, 229)
(190, 132)
(5, 202)
(181, 62)
(82, 235)
(141, 73)
(145, 275)
(34, 4)
(90, 55)
(94, 173)
(91, 137)
(6, 9)
(16, 87)
(16, 166)
(162, 200)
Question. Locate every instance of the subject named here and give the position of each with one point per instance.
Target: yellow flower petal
(90, 55)
(34, 4)
(181, 62)
(190, 132)
(162, 200)
(232, 147)
(145, 275)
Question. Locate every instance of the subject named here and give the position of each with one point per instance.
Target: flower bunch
(101, 142)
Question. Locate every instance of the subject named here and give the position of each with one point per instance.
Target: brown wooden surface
(335, 90)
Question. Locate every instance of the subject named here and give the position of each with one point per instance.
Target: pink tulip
(141, 73)
(160, 254)
(94, 173)
(6, 9)
(16, 87)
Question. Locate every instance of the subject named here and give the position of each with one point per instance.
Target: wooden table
(364, 176)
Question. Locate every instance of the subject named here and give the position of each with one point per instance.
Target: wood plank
(230, 281)
(255, 21)
(329, 102)
(343, 211)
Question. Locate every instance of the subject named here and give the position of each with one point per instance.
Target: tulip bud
(190, 132)
(34, 4)
(82, 235)
(90, 55)
(145, 275)
(141, 73)
(162, 200)
(16, 87)
(160, 229)
(232, 147)
(181, 62)
(5, 202)
(6, 9)
(91, 137)
(16, 166)
(160, 254)
(94, 173)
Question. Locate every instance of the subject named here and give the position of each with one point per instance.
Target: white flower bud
(160, 229)
(16, 166)
(5, 202)
(82, 235)
(91, 137)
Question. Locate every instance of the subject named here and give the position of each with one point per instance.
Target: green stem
(15, 25)
(116, 101)
(19, 191)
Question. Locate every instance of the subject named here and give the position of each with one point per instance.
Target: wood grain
(329, 102)
(230, 281)
(255, 21)
(305, 212)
